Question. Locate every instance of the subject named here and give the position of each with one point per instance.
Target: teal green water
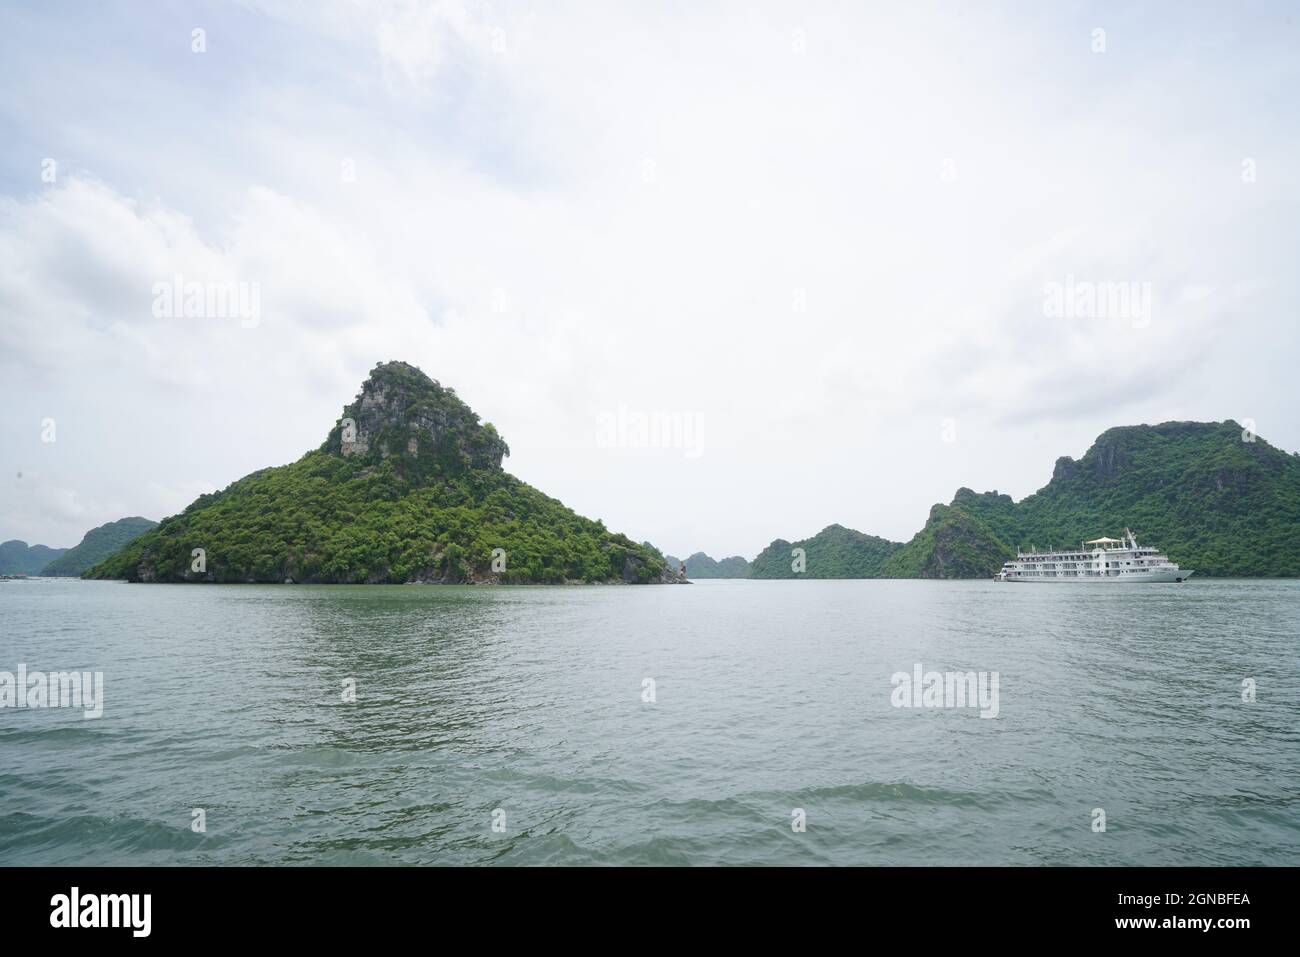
(769, 696)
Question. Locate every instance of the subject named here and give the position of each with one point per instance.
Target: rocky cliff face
(402, 412)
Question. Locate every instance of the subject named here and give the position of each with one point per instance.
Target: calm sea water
(525, 707)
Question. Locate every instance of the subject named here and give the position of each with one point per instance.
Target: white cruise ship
(1100, 560)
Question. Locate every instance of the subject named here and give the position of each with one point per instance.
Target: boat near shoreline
(1097, 560)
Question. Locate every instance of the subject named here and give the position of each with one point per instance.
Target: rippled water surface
(769, 696)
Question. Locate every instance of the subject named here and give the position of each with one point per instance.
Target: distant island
(98, 544)
(407, 487)
(701, 565)
(19, 558)
(1209, 494)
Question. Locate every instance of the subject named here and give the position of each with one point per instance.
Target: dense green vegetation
(1215, 499)
(98, 544)
(834, 552)
(1211, 500)
(19, 558)
(953, 544)
(421, 497)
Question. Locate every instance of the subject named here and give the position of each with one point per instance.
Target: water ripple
(508, 726)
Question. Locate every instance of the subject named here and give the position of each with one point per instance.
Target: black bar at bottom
(332, 906)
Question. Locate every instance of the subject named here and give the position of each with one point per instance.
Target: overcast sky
(820, 238)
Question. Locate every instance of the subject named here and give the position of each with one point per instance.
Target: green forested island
(19, 558)
(407, 487)
(1212, 495)
(834, 552)
(98, 544)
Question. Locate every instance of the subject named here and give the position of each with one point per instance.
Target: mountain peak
(400, 412)
(407, 487)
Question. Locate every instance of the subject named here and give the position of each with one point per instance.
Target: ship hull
(1133, 579)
